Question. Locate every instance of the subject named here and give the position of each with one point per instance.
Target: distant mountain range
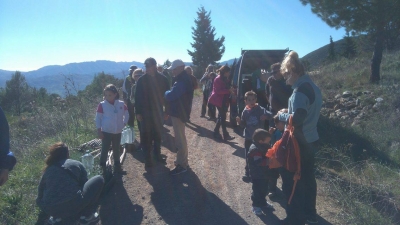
(53, 77)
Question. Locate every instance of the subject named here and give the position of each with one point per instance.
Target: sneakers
(257, 211)
(178, 169)
(92, 219)
(268, 205)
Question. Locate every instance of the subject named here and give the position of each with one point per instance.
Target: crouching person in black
(65, 193)
(258, 165)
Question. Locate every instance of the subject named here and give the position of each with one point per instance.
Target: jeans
(84, 204)
(115, 141)
(260, 191)
(205, 102)
(247, 144)
(221, 120)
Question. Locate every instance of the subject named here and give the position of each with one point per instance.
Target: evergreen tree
(207, 49)
(373, 17)
(348, 47)
(16, 93)
(331, 50)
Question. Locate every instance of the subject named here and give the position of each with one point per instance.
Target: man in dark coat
(149, 109)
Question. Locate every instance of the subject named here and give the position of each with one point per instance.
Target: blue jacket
(7, 159)
(180, 97)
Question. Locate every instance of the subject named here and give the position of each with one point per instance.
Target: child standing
(276, 134)
(258, 166)
(111, 117)
(253, 117)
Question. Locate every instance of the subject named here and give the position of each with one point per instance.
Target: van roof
(255, 59)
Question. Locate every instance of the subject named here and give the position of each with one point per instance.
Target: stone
(379, 99)
(347, 94)
(350, 105)
(337, 107)
(367, 92)
(338, 96)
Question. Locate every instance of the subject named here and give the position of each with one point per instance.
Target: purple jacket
(219, 91)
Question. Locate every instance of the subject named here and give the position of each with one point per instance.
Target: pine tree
(373, 17)
(331, 50)
(206, 49)
(348, 47)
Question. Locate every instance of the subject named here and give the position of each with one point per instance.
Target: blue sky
(38, 33)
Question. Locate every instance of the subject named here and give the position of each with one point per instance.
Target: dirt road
(210, 192)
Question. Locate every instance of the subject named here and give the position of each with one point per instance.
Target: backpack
(286, 153)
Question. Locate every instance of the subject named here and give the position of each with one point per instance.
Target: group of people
(149, 99)
(291, 95)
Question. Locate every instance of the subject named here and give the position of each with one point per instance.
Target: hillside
(53, 77)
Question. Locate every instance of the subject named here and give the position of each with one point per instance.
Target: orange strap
(297, 174)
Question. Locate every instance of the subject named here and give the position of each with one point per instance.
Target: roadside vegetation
(361, 163)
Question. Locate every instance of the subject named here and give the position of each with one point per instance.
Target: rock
(350, 105)
(367, 92)
(345, 117)
(338, 96)
(338, 107)
(355, 122)
(379, 99)
(358, 101)
(359, 93)
(377, 106)
(347, 94)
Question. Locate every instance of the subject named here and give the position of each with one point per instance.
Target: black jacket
(149, 96)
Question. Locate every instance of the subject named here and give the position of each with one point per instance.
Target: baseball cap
(176, 63)
(150, 62)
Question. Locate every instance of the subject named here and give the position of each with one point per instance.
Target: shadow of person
(182, 199)
(201, 131)
(117, 208)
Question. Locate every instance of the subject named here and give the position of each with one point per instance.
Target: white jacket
(111, 118)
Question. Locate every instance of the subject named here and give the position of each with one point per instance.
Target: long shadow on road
(117, 208)
(182, 199)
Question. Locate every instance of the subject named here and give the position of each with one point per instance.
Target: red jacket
(219, 91)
